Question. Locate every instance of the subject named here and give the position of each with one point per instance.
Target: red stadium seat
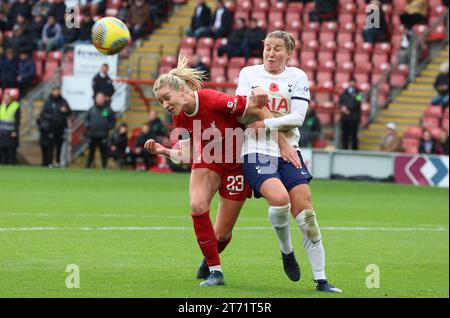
(205, 43)
(399, 75)
(216, 71)
(255, 61)
(189, 42)
(435, 132)
(344, 37)
(293, 18)
(410, 145)
(168, 60)
(277, 6)
(293, 62)
(295, 6)
(236, 62)
(259, 15)
(399, 6)
(361, 58)
(275, 16)
(309, 36)
(365, 114)
(343, 57)
(52, 64)
(346, 18)
(326, 36)
(220, 61)
(242, 14)
(233, 75)
(203, 51)
(413, 132)
(380, 58)
(433, 111)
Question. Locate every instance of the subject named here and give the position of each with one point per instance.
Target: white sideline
(185, 228)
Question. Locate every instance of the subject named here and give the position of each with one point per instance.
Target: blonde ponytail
(181, 75)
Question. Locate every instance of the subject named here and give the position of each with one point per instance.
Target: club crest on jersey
(232, 105)
(290, 88)
(274, 87)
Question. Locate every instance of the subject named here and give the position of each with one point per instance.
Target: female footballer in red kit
(180, 93)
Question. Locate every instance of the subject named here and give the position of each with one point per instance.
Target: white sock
(279, 216)
(215, 268)
(312, 242)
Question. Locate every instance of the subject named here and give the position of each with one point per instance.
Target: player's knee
(199, 207)
(278, 199)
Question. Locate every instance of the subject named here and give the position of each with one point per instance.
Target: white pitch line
(185, 228)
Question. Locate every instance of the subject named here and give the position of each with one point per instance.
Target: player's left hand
(289, 154)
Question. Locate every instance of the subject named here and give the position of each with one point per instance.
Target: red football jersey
(212, 125)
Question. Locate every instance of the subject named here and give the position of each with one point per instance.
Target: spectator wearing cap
(200, 20)
(441, 86)
(102, 83)
(9, 129)
(51, 35)
(391, 141)
(26, 72)
(52, 122)
(9, 65)
(350, 105)
(416, 13)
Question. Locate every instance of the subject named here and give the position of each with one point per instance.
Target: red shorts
(234, 185)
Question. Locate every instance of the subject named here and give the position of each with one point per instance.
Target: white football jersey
(282, 88)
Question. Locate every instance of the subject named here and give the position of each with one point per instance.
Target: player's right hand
(153, 147)
(289, 154)
(260, 97)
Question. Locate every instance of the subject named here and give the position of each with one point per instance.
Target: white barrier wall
(404, 168)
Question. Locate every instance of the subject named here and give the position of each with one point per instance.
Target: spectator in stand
(51, 35)
(441, 86)
(22, 22)
(138, 19)
(118, 145)
(4, 25)
(52, 122)
(41, 7)
(156, 12)
(93, 7)
(416, 13)
(69, 33)
(200, 20)
(20, 7)
(236, 41)
(100, 120)
(254, 39)
(221, 23)
(156, 126)
(26, 72)
(102, 83)
(84, 32)
(123, 10)
(58, 10)
(391, 141)
(35, 29)
(324, 10)
(310, 130)
(427, 143)
(379, 31)
(20, 41)
(442, 143)
(199, 65)
(9, 129)
(8, 69)
(350, 105)
(139, 152)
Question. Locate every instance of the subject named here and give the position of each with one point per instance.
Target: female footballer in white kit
(284, 186)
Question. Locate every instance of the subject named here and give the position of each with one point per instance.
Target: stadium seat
(410, 145)
(255, 61)
(293, 62)
(168, 60)
(217, 71)
(346, 18)
(413, 132)
(399, 75)
(325, 113)
(277, 6)
(295, 7)
(432, 117)
(188, 43)
(242, 14)
(51, 65)
(435, 132)
(344, 37)
(380, 58)
(365, 114)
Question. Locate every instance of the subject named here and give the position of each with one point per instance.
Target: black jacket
(120, 141)
(310, 130)
(102, 85)
(237, 36)
(351, 99)
(51, 118)
(256, 35)
(204, 18)
(141, 139)
(157, 128)
(226, 20)
(99, 121)
(441, 79)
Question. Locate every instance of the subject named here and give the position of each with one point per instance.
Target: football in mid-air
(110, 35)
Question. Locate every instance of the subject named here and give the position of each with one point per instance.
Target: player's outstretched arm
(182, 155)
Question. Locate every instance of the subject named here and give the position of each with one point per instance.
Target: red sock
(222, 244)
(206, 238)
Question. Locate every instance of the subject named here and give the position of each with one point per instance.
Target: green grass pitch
(131, 235)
